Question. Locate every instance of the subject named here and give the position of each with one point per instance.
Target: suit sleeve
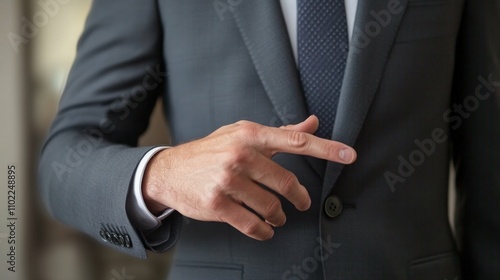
(89, 158)
(476, 126)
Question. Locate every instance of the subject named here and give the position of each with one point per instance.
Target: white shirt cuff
(142, 219)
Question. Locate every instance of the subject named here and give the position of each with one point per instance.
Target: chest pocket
(428, 19)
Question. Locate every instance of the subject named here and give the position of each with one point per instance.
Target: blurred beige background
(37, 46)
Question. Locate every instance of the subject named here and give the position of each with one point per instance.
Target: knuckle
(273, 208)
(215, 203)
(251, 228)
(248, 129)
(287, 182)
(239, 156)
(298, 140)
(329, 151)
(225, 179)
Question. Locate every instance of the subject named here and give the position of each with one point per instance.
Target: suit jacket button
(333, 206)
(128, 242)
(102, 233)
(114, 238)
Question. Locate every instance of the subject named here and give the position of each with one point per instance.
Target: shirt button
(333, 206)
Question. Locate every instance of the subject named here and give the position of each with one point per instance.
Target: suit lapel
(368, 54)
(264, 31)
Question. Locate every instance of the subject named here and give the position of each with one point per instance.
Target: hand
(210, 179)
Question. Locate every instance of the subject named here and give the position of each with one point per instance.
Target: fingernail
(276, 225)
(346, 155)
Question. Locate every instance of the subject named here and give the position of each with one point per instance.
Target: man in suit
(409, 84)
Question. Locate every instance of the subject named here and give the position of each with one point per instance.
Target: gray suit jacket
(420, 89)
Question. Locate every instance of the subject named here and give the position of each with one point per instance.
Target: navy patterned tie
(322, 53)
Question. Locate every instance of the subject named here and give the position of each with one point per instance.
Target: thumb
(310, 125)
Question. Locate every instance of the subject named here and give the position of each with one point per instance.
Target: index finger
(278, 140)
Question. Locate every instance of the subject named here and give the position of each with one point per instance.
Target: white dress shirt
(289, 8)
(142, 219)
